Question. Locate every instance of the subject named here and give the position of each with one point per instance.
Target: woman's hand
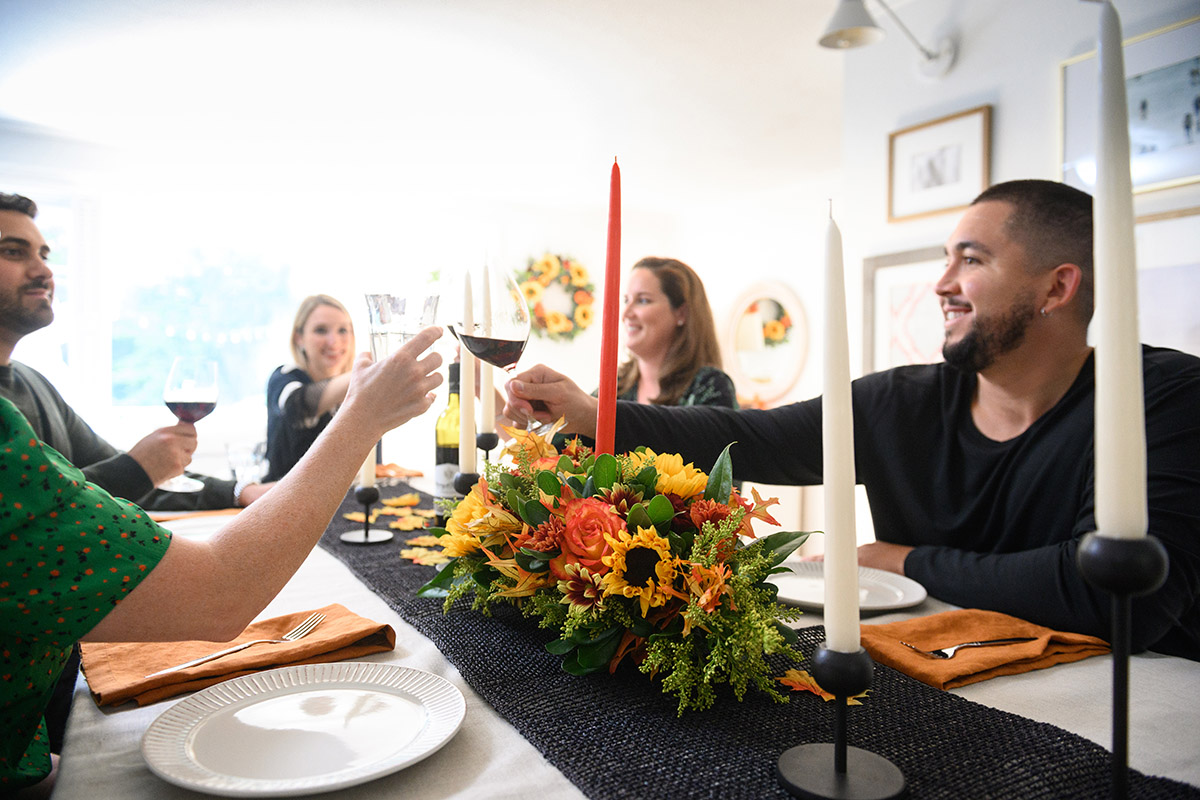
(398, 388)
(543, 395)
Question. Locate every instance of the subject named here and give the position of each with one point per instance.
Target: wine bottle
(446, 458)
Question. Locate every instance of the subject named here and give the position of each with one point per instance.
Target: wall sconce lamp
(853, 26)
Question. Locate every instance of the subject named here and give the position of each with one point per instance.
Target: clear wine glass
(393, 319)
(499, 328)
(191, 395)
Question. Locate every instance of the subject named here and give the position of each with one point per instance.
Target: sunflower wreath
(560, 294)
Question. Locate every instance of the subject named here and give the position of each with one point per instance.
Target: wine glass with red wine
(191, 395)
(499, 325)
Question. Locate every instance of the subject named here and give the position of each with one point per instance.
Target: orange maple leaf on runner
(800, 681)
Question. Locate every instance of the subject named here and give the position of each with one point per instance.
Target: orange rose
(587, 522)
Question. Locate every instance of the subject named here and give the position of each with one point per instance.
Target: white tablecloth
(488, 758)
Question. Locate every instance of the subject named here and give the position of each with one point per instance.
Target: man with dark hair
(26, 294)
(979, 471)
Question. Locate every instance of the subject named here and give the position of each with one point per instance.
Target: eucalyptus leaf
(589, 487)
(660, 509)
(549, 483)
(604, 473)
(720, 478)
(789, 634)
(638, 518)
(531, 563)
(560, 647)
(572, 666)
(576, 484)
(597, 654)
(534, 513)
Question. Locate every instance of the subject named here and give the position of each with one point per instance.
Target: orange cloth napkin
(973, 664)
(116, 671)
(396, 471)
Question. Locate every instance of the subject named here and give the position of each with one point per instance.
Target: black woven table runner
(618, 736)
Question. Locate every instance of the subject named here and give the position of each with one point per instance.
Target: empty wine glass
(393, 319)
(191, 395)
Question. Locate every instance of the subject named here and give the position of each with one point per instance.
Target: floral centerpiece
(560, 294)
(635, 557)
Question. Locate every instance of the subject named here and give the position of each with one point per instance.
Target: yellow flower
(579, 275)
(675, 477)
(536, 446)
(558, 322)
(547, 268)
(641, 566)
(773, 330)
(532, 291)
(477, 520)
(583, 316)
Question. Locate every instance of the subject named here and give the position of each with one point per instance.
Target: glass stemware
(191, 395)
(499, 326)
(393, 319)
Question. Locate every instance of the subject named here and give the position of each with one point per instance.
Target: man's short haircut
(15, 202)
(1054, 223)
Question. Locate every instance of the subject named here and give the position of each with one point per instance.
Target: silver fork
(299, 632)
(948, 652)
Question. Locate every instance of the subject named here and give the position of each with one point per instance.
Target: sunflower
(533, 292)
(558, 322)
(547, 268)
(583, 316)
(579, 275)
(674, 477)
(641, 566)
(773, 330)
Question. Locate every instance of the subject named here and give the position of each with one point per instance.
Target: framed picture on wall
(1162, 87)
(939, 165)
(1168, 257)
(902, 318)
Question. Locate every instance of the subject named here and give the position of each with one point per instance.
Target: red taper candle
(606, 414)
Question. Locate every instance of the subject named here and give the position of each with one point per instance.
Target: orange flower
(587, 521)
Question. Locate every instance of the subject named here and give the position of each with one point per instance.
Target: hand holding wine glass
(191, 394)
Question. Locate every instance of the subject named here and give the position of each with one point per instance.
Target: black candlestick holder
(464, 482)
(487, 442)
(821, 770)
(1125, 568)
(367, 495)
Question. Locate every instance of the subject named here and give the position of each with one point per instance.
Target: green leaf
(439, 585)
(576, 484)
(660, 509)
(508, 482)
(638, 518)
(589, 487)
(572, 666)
(789, 634)
(604, 473)
(534, 513)
(779, 545)
(439, 532)
(548, 482)
(560, 647)
(532, 561)
(648, 477)
(720, 478)
(598, 653)
(564, 464)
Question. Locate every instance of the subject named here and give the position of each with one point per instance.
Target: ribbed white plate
(303, 729)
(878, 590)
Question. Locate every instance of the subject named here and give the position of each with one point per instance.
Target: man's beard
(20, 318)
(991, 337)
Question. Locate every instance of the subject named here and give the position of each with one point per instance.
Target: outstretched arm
(212, 589)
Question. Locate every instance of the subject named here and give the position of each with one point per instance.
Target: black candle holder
(821, 770)
(367, 495)
(465, 481)
(1125, 568)
(487, 442)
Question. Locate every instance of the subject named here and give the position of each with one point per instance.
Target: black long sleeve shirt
(995, 525)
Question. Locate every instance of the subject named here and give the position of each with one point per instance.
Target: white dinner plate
(878, 590)
(303, 729)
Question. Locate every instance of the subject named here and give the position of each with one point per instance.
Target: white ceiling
(698, 94)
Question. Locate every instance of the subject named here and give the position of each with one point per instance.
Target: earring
(678, 323)
(1044, 314)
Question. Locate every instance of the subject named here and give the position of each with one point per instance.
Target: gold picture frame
(939, 166)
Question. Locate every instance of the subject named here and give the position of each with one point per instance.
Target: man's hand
(251, 493)
(541, 394)
(878, 555)
(165, 452)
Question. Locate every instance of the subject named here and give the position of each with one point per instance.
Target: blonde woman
(303, 396)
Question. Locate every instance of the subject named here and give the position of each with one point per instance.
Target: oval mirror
(766, 343)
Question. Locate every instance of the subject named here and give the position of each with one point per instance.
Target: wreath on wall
(560, 295)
